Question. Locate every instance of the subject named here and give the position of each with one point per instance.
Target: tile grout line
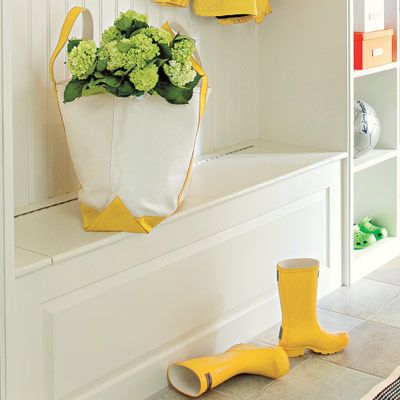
(377, 280)
(342, 313)
(353, 369)
(382, 323)
(367, 319)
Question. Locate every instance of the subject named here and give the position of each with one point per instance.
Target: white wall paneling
(42, 166)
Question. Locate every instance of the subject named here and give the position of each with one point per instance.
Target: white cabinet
(104, 322)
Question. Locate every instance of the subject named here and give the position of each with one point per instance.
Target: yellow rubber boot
(196, 376)
(297, 282)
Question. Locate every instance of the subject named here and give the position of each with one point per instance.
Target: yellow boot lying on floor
(196, 376)
(297, 282)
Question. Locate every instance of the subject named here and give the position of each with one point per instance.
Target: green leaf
(127, 89)
(119, 72)
(173, 94)
(73, 90)
(135, 32)
(111, 81)
(135, 27)
(123, 23)
(165, 51)
(159, 61)
(90, 91)
(72, 43)
(101, 65)
(112, 90)
(123, 47)
(99, 75)
(193, 84)
(178, 37)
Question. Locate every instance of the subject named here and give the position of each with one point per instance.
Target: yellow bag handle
(69, 23)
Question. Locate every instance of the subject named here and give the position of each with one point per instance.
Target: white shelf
(374, 157)
(375, 70)
(373, 257)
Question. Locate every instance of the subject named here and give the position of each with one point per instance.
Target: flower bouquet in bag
(133, 59)
(131, 113)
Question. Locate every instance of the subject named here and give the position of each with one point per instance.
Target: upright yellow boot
(196, 376)
(298, 281)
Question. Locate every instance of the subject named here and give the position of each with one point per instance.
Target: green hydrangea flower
(183, 50)
(134, 16)
(158, 35)
(144, 50)
(135, 52)
(82, 59)
(109, 35)
(146, 78)
(179, 73)
(116, 59)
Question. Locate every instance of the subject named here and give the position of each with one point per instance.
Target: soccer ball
(367, 128)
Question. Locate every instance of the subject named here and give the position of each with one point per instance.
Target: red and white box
(373, 49)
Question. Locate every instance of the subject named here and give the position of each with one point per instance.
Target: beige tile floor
(370, 311)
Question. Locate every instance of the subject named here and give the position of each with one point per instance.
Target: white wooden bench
(100, 315)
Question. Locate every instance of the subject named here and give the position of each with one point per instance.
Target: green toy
(362, 239)
(368, 227)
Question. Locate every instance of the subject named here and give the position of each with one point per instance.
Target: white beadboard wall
(42, 168)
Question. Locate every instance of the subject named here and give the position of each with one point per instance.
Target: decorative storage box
(373, 49)
(369, 15)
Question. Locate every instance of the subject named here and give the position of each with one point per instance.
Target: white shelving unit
(371, 71)
(374, 178)
(375, 157)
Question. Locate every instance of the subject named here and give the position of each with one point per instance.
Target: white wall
(303, 57)
(42, 166)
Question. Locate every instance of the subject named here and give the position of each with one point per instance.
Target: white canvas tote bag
(133, 156)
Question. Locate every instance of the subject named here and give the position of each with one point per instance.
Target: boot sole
(299, 351)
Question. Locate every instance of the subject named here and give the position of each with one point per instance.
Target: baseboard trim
(148, 374)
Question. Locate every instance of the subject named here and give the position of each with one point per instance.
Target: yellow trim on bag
(116, 218)
(188, 176)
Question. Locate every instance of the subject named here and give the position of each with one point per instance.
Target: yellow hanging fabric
(226, 11)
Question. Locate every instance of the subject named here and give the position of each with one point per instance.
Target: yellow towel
(227, 11)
